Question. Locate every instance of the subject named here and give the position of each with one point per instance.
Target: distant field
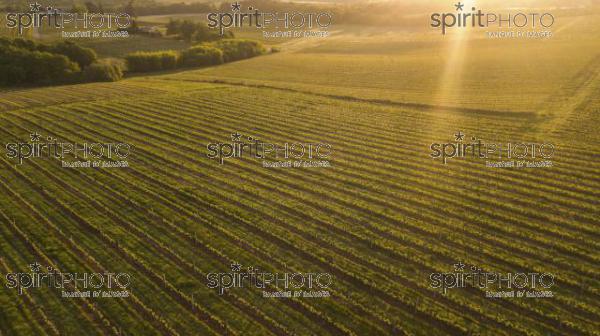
(380, 220)
(119, 47)
(410, 67)
(114, 47)
(201, 17)
(163, 19)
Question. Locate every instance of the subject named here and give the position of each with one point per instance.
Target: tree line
(24, 62)
(205, 54)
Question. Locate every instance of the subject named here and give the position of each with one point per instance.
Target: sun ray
(455, 49)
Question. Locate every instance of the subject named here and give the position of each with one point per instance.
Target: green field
(380, 220)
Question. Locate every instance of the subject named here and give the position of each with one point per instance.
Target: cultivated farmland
(380, 220)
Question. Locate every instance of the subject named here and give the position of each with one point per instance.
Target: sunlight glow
(448, 92)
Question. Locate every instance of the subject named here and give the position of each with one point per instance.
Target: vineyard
(380, 220)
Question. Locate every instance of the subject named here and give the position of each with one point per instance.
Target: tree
(78, 54)
(77, 9)
(22, 66)
(144, 61)
(238, 49)
(174, 27)
(188, 28)
(202, 55)
(104, 71)
(129, 8)
(24, 44)
(91, 7)
(204, 34)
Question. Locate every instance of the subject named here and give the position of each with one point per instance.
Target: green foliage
(206, 54)
(81, 55)
(91, 7)
(169, 59)
(152, 61)
(119, 48)
(205, 34)
(133, 28)
(174, 27)
(202, 55)
(194, 31)
(187, 30)
(103, 71)
(238, 49)
(22, 66)
(129, 8)
(77, 8)
(78, 54)
(25, 44)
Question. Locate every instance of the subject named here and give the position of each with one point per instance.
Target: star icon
(235, 267)
(236, 136)
(236, 6)
(459, 6)
(35, 137)
(459, 266)
(460, 136)
(35, 7)
(35, 266)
